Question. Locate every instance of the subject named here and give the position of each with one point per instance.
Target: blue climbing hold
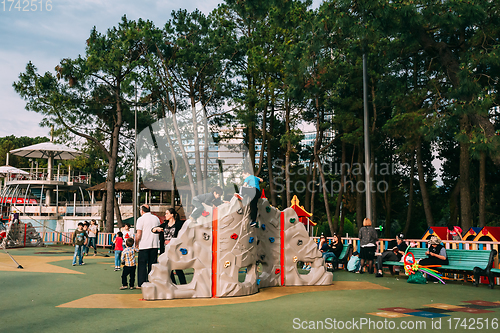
(271, 239)
(258, 281)
(183, 251)
(250, 240)
(263, 227)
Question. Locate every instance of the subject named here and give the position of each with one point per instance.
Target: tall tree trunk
(287, 155)
(360, 214)
(264, 137)
(113, 161)
(119, 222)
(183, 154)
(482, 187)
(410, 194)
(454, 204)
(423, 186)
(342, 220)
(341, 190)
(388, 208)
(103, 210)
(307, 200)
(465, 208)
(196, 141)
(317, 146)
(313, 194)
(270, 160)
(373, 187)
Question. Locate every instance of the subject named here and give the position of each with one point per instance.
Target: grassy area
(29, 301)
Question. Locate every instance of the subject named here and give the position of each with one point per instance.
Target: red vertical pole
(282, 248)
(25, 228)
(214, 251)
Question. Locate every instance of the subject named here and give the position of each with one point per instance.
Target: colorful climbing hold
(271, 239)
(258, 281)
(263, 227)
(250, 240)
(206, 236)
(268, 209)
(234, 236)
(277, 271)
(299, 243)
(227, 264)
(205, 213)
(292, 220)
(183, 251)
(295, 259)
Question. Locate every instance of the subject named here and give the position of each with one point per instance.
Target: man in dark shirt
(394, 253)
(213, 198)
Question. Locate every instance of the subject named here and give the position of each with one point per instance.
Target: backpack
(353, 264)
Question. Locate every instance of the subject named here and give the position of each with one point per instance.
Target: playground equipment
(221, 243)
(472, 233)
(441, 232)
(488, 234)
(19, 234)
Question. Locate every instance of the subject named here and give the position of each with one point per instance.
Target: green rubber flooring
(32, 300)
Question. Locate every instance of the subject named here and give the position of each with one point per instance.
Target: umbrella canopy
(6, 169)
(47, 150)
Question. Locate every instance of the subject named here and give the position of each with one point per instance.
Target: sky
(45, 36)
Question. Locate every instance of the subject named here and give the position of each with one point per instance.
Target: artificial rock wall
(221, 244)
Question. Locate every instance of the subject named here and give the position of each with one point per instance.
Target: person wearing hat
(436, 254)
(395, 252)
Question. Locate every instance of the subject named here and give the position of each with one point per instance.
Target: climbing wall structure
(221, 244)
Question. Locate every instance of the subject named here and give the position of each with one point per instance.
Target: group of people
(83, 238)
(151, 236)
(362, 262)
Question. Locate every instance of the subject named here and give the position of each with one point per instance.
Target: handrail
(61, 175)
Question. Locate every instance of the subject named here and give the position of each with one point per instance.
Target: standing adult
(147, 242)
(368, 241)
(394, 253)
(93, 231)
(169, 230)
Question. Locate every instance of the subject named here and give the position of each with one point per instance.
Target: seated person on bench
(436, 255)
(395, 252)
(334, 250)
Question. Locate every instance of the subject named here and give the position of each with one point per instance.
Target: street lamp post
(134, 199)
(367, 142)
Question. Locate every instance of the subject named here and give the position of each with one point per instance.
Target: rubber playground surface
(51, 295)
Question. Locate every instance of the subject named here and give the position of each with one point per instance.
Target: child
(128, 260)
(85, 247)
(79, 240)
(118, 241)
(354, 263)
(250, 190)
(212, 198)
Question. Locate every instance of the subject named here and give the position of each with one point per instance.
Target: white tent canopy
(47, 150)
(6, 169)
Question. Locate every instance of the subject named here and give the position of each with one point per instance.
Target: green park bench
(344, 257)
(477, 262)
(492, 273)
